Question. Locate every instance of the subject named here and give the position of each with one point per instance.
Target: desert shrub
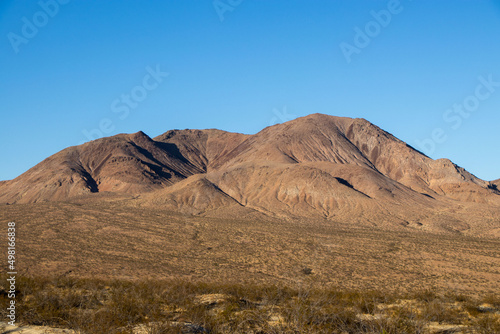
(487, 324)
(439, 311)
(493, 299)
(117, 307)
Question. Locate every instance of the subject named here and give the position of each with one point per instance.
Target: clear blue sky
(243, 65)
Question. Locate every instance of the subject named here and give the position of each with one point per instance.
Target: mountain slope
(202, 148)
(313, 189)
(314, 166)
(340, 140)
(122, 163)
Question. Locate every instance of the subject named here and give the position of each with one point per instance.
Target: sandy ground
(7, 329)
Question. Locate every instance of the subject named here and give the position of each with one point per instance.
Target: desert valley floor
(114, 239)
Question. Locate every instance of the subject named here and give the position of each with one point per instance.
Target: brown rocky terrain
(321, 202)
(122, 163)
(317, 166)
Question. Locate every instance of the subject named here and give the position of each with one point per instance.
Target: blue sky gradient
(243, 65)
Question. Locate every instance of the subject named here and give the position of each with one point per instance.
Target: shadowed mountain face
(122, 163)
(314, 166)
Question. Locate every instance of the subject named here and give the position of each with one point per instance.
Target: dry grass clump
(158, 307)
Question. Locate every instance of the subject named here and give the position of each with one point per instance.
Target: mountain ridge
(317, 166)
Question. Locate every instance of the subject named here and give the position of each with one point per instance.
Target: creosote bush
(157, 307)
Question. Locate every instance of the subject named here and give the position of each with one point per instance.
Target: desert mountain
(314, 166)
(122, 163)
(202, 148)
(322, 138)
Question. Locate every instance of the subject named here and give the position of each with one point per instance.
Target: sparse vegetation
(90, 306)
(244, 275)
